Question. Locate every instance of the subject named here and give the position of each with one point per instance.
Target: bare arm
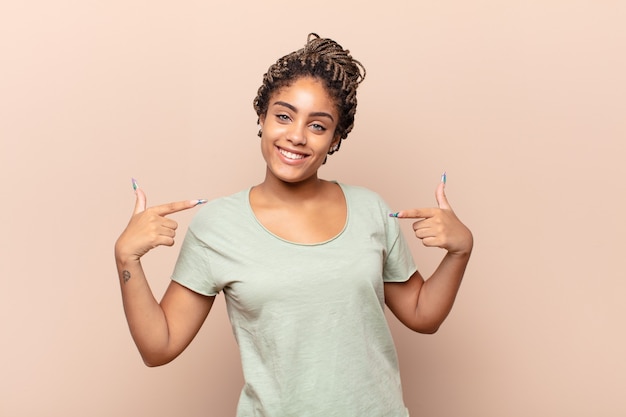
(162, 330)
(424, 305)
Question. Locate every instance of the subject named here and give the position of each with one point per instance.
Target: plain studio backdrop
(521, 102)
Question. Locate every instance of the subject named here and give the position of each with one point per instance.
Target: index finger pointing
(421, 213)
(170, 208)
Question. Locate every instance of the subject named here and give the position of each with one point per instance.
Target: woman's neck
(275, 189)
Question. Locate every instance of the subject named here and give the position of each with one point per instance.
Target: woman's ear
(334, 145)
(260, 122)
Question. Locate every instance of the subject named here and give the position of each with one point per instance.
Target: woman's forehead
(307, 92)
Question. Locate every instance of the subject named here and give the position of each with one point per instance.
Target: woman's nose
(296, 134)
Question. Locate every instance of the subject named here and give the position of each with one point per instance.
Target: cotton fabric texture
(308, 318)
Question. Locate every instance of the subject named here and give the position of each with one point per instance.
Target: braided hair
(326, 61)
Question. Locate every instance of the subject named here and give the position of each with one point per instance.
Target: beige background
(522, 102)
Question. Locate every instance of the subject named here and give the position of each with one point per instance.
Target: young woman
(306, 265)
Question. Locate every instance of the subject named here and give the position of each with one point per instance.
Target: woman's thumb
(140, 203)
(440, 195)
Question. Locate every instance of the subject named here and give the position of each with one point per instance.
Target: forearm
(145, 317)
(161, 330)
(438, 293)
(423, 305)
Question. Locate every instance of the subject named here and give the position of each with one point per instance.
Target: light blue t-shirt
(308, 318)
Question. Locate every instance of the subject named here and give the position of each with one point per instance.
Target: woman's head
(327, 61)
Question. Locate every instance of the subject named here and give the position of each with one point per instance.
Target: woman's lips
(291, 155)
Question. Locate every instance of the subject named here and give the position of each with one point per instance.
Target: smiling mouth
(291, 155)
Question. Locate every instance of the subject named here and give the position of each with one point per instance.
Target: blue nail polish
(444, 178)
(393, 214)
(201, 202)
(135, 185)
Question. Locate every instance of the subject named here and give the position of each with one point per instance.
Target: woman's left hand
(440, 227)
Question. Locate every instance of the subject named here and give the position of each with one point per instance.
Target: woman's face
(298, 130)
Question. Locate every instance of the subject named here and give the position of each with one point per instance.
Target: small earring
(260, 133)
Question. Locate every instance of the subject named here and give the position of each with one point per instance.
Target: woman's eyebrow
(292, 108)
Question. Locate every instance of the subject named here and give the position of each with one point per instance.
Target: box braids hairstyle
(325, 60)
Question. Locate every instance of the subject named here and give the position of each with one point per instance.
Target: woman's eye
(282, 117)
(318, 127)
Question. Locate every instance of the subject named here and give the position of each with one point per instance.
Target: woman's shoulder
(364, 201)
(358, 192)
(223, 208)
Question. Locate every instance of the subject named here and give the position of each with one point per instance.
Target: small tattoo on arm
(125, 276)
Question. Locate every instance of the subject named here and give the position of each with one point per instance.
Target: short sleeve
(399, 264)
(193, 268)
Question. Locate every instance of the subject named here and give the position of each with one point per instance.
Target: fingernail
(198, 202)
(393, 214)
(444, 178)
(135, 185)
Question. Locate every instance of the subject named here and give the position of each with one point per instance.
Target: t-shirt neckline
(337, 236)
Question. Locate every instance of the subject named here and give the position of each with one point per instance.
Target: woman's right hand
(149, 228)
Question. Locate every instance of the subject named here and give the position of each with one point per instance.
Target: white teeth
(291, 155)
